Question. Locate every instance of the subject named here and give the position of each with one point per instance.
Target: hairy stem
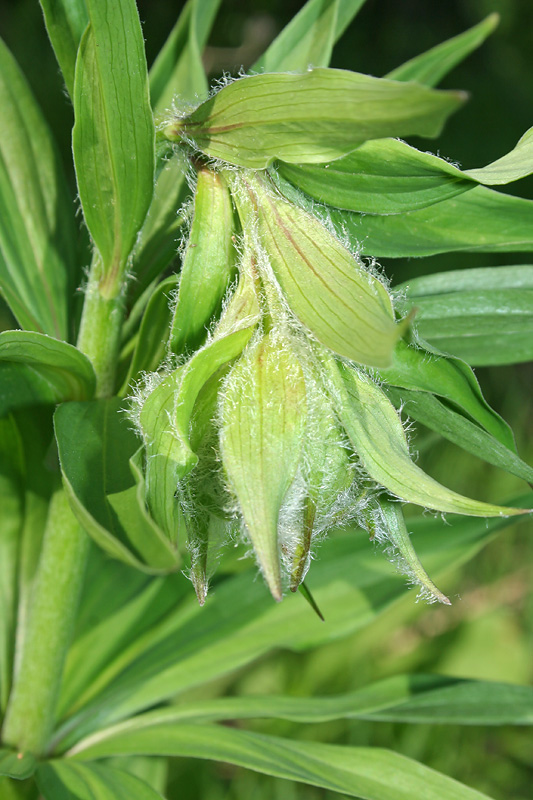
(30, 714)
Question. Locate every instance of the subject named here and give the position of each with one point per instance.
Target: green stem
(30, 714)
(100, 330)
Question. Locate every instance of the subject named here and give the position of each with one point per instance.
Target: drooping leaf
(192, 645)
(113, 135)
(382, 176)
(365, 772)
(178, 69)
(263, 424)
(36, 369)
(430, 67)
(480, 220)
(208, 265)
(104, 484)
(376, 433)
(423, 369)
(62, 780)
(308, 39)
(326, 287)
(437, 415)
(65, 22)
(37, 230)
(16, 765)
(316, 116)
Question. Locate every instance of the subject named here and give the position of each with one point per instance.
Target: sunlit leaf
(316, 116)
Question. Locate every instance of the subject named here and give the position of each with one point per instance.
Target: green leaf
(430, 67)
(316, 116)
(159, 237)
(433, 699)
(423, 369)
(65, 22)
(365, 772)
(484, 317)
(36, 369)
(105, 486)
(383, 176)
(63, 780)
(37, 229)
(514, 165)
(309, 37)
(178, 69)
(113, 135)
(388, 176)
(327, 288)
(118, 608)
(263, 427)
(376, 433)
(454, 426)
(194, 645)
(208, 264)
(152, 337)
(16, 765)
(480, 220)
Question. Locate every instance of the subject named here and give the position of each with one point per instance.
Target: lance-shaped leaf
(37, 229)
(480, 220)
(316, 116)
(388, 525)
(375, 430)
(98, 452)
(36, 369)
(208, 265)
(484, 315)
(178, 69)
(309, 37)
(113, 135)
(430, 67)
(263, 426)
(451, 423)
(65, 22)
(326, 287)
(383, 176)
(423, 369)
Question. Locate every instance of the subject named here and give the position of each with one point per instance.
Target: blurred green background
(488, 632)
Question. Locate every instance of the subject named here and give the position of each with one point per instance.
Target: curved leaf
(317, 116)
(480, 220)
(430, 67)
(36, 369)
(375, 430)
(17, 765)
(365, 772)
(65, 22)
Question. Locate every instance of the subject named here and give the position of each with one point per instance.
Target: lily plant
(210, 355)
